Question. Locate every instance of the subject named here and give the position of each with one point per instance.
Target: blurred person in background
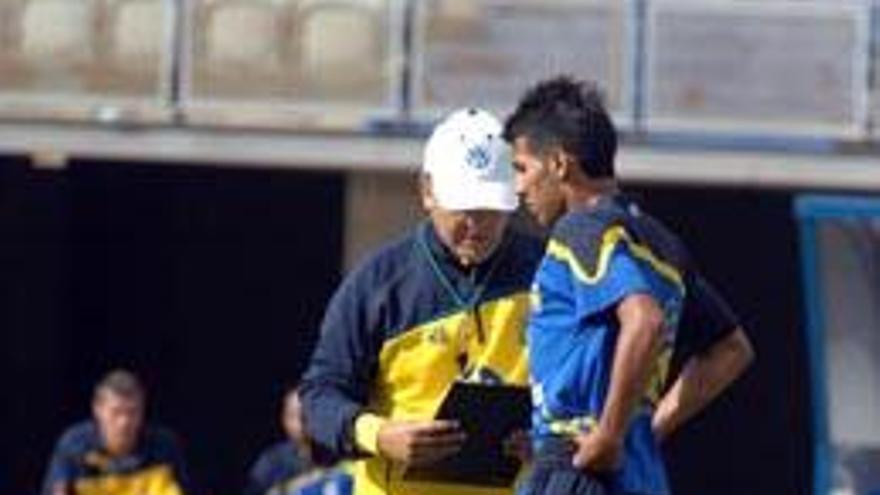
(280, 465)
(615, 295)
(446, 302)
(115, 452)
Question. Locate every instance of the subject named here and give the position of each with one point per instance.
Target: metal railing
(795, 69)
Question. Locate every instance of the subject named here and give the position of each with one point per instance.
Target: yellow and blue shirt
(80, 462)
(595, 258)
(401, 329)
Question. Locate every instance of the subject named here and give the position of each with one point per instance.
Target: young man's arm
(716, 351)
(702, 379)
(641, 324)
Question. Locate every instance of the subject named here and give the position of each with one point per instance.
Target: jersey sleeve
(607, 265)
(706, 317)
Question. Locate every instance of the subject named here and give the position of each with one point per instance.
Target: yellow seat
(242, 33)
(135, 41)
(139, 31)
(52, 46)
(238, 49)
(57, 30)
(347, 67)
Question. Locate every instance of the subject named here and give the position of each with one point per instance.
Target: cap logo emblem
(478, 158)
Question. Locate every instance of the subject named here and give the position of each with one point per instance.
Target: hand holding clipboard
(489, 415)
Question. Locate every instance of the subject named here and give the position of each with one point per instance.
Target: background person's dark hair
(120, 382)
(569, 114)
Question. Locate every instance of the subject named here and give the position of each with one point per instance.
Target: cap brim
(484, 196)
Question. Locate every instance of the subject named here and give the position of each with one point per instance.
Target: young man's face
(119, 419)
(539, 189)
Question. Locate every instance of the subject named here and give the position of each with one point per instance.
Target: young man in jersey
(447, 301)
(613, 295)
(115, 453)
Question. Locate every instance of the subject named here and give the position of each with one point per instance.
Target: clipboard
(488, 414)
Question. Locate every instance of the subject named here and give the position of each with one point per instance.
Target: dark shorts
(553, 474)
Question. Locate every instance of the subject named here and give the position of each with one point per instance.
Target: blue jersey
(595, 258)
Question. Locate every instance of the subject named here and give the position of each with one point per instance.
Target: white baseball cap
(468, 162)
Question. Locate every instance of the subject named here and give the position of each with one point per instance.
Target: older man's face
(472, 235)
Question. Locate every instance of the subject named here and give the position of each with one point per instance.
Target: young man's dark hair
(568, 114)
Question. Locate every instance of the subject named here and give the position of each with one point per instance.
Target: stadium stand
(136, 34)
(55, 44)
(86, 59)
(485, 52)
(284, 63)
(237, 48)
(732, 74)
(756, 65)
(349, 67)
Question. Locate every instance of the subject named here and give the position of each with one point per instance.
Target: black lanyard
(471, 305)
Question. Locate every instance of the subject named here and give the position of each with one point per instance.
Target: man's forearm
(637, 343)
(329, 414)
(702, 379)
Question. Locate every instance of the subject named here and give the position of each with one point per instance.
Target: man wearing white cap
(448, 301)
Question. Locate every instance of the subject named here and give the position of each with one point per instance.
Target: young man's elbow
(741, 348)
(641, 314)
(653, 320)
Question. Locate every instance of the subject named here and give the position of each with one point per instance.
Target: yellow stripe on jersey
(610, 238)
(653, 393)
(657, 378)
(154, 480)
(573, 426)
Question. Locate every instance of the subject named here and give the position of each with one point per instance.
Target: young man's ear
(561, 164)
(426, 192)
